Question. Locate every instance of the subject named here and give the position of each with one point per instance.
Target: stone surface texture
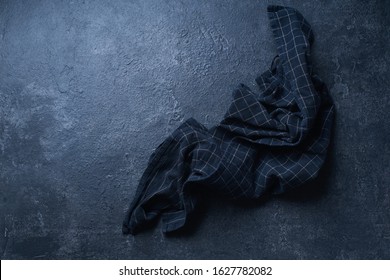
(89, 88)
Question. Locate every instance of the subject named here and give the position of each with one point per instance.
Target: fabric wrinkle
(270, 140)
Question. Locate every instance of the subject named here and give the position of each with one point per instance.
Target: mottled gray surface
(89, 88)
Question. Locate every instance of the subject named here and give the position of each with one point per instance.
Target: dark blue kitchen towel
(270, 140)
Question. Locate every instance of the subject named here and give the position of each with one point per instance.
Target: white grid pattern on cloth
(271, 140)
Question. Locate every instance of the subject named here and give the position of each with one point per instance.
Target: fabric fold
(271, 139)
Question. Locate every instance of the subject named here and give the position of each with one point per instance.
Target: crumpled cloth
(270, 140)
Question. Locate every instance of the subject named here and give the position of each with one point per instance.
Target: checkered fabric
(270, 140)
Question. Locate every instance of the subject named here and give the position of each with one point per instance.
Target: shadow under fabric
(270, 140)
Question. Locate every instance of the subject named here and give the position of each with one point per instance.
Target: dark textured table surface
(89, 88)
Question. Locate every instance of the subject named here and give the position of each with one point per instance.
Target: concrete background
(89, 88)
